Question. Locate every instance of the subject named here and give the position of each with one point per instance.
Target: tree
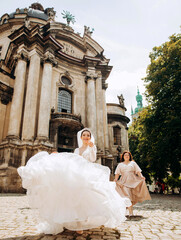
(155, 135)
(163, 126)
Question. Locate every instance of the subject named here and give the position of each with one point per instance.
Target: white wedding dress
(72, 192)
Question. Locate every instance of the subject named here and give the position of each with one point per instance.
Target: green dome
(138, 96)
(139, 102)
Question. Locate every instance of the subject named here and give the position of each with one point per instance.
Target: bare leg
(79, 226)
(130, 210)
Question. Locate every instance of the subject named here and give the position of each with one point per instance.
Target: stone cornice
(105, 70)
(42, 39)
(116, 105)
(6, 73)
(117, 117)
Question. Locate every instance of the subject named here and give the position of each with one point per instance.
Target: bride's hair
(122, 156)
(85, 130)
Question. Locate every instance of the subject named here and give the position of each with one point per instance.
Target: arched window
(64, 101)
(117, 135)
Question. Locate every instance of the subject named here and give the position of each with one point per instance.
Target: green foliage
(173, 182)
(161, 126)
(139, 144)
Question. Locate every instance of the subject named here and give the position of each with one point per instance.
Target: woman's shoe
(79, 232)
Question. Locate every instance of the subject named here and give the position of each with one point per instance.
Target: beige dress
(130, 184)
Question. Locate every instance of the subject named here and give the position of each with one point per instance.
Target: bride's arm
(76, 151)
(92, 152)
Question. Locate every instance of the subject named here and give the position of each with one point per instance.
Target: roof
(31, 13)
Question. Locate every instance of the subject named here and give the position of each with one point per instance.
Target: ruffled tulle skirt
(71, 192)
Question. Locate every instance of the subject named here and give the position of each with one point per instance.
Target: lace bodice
(127, 168)
(89, 153)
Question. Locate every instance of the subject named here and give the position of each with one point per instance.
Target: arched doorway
(66, 139)
(63, 131)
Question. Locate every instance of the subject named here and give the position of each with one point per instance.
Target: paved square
(159, 218)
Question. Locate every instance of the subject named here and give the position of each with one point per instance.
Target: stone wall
(10, 181)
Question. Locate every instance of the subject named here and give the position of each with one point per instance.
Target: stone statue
(121, 100)
(88, 31)
(27, 22)
(69, 17)
(51, 14)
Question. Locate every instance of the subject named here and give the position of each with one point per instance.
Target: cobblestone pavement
(159, 218)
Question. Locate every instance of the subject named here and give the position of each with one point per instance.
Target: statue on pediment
(51, 14)
(27, 22)
(121, 100)
(69, 17)
(88, 31)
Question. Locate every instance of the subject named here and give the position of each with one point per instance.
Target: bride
(72, 192)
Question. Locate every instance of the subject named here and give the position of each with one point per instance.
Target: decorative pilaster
(91, 103)
(99, 108)
(105, 124)
(45, 98)
(29, 120)
(17, 101)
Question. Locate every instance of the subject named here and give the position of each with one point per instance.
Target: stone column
(91, 105)
(45, 102)
(99, 108)
(105, 123)
(17, 101)
(55, 80)
(2, 119)
(29, 120)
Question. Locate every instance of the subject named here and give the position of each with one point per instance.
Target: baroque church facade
(52, 84)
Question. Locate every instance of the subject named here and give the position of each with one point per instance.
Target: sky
(126, 29)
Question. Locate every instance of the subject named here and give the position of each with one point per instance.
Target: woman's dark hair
(122, 156)
(86, 130)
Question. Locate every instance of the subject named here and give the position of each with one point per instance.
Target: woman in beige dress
(132, 183)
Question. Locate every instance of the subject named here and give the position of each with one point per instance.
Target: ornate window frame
(65, 102)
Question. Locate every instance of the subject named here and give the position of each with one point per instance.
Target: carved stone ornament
(49, 57)
(23, 55)
(91, 75)
(121, 100)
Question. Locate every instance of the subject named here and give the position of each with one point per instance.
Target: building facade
(52, 84)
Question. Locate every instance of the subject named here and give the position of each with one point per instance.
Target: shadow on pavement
(97, 233)
(135, 218)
